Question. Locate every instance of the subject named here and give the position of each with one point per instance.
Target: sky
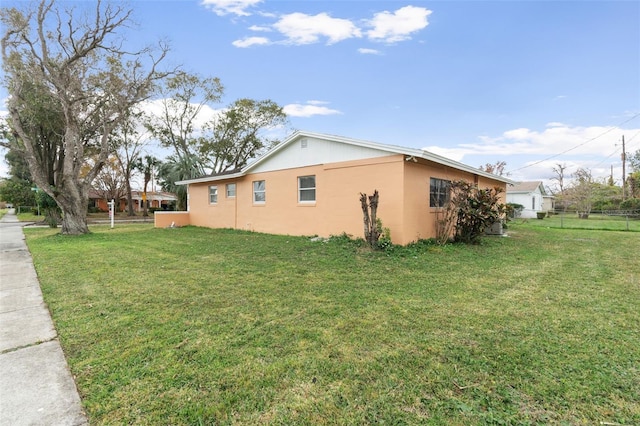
(530, 83)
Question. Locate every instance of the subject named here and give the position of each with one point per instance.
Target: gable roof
(390, 149)
(527, 187)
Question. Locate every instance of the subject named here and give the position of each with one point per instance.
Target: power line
(577, 146)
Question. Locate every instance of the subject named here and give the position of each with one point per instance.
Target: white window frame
(309, 189)
(213, 194)
(229, 185)
(262, 191)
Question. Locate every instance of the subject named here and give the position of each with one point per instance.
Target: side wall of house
(335, 210)
(419, 218)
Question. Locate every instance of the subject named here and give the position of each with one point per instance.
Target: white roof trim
(211, 178)
(392, 149)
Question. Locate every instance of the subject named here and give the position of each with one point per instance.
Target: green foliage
(384, 241)
(630, 204)
(235, 135)
(476, 209)
(513, 210)
(50, 208)
(175, 169)
(16, 191)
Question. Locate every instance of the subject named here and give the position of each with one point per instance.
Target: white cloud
(300, 28)
(594, 147)
(251, 41)
(399, 25)
(259, 28)
(556, 124)
(369, 51)
(309, 109)
(233, 7)
(556, 138)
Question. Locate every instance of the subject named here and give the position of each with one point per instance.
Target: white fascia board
(392, 149)
(210, 178)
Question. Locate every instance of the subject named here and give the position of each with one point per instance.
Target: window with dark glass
(438, 192)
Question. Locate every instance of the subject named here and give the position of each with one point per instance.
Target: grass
(595, 221)
(201, 326)
(92, 218)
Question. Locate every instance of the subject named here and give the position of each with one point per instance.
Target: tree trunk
(74, 217)
(365, 215)
(371, 232)
(130, 211)
(145, 203)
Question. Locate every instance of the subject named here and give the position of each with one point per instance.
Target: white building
(532, 196)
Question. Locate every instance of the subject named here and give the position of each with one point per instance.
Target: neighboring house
(158, 200)
(532, 196)
(310, 184)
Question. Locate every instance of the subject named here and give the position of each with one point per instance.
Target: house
(532, 196)
(155, 199)
(310, 184)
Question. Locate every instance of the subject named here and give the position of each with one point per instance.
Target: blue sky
(532, 83)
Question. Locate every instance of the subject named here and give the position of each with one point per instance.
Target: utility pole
(624, 172)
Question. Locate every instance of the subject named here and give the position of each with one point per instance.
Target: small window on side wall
(213, 194)
(439, 192)
(231, 190)
(259, 192)
(307, 189)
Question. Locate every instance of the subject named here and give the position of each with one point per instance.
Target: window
(306, 189)
(231, 190)
(259, 191)
(213, 194)
(439, 192)
(533, 202)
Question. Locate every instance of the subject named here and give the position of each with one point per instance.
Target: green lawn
(201, 326)
(595, 221)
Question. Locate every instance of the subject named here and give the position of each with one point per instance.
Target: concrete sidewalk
(36, 387)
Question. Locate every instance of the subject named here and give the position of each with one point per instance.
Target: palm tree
(146, 166)
(175, 169)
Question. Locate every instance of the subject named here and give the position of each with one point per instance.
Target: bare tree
(129, 141)
(184, 97)
(582, 192)
(559, 171)
(78, 62)
(496, 168)
(110, 182)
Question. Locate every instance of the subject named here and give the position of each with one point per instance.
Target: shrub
(473, 210)
(630, 204)
(513, 210)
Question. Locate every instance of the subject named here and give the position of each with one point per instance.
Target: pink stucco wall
(404, 199)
